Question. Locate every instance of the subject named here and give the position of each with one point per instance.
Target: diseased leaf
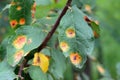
(75, 36)
(25, 39)
(6, 71)
(36, 73)
(20, 13)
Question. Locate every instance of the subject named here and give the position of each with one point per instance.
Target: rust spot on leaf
(19, 8)
(20, 42)
(64, 46)
(13, 23)
(88, 8)
(18, 55)
(70, 32)
(75, 58)
(33, 10)
(22, 21)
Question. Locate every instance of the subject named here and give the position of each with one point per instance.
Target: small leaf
(96, 29)
(6, 71)
(36, 73)
(41, 60)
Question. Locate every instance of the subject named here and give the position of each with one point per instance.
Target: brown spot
(20, 42)
(18, 55)
(87, 19)
(13, 23)
(22, 21)
(75, 58)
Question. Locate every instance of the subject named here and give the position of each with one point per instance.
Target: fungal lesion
(64, 46)
(75, 58)
(70, 32)
(20, 41)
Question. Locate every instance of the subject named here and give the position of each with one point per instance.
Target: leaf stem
(54, 26)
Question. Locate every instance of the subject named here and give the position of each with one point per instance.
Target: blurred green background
(107, 46)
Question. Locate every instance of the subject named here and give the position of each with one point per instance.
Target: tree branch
(21, 68)
(54, 26)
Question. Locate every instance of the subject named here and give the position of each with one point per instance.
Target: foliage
(35, 50)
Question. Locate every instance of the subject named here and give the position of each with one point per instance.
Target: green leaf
(76, 35)
(43, 2)
(96, 29)
(58, 64)
(25, 39)
(36, 73)
(6, 71)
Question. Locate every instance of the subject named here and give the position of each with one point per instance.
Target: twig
(55, 26)
(21, 68)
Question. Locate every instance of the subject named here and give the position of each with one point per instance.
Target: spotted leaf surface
(25, 39)
(21, 13)
(76, 38)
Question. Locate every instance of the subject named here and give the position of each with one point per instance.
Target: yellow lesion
(41, 60)
(70, 33)
(75, 58)
(88, 8)
(18, 55)
(19, 8)
(19, 42)
(64, 46)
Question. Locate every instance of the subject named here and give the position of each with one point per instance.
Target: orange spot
(96, 35)
(41, 60)
(19, 8)
(13, 3)
(88, 8)
(64, 46)
(101, 69)
(13, 23)
(18, 55)
(22, 21)
(19, 42)
(33, 10)
(75, 58)
(70, 32)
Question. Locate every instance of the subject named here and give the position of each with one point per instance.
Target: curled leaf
(41, 60)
